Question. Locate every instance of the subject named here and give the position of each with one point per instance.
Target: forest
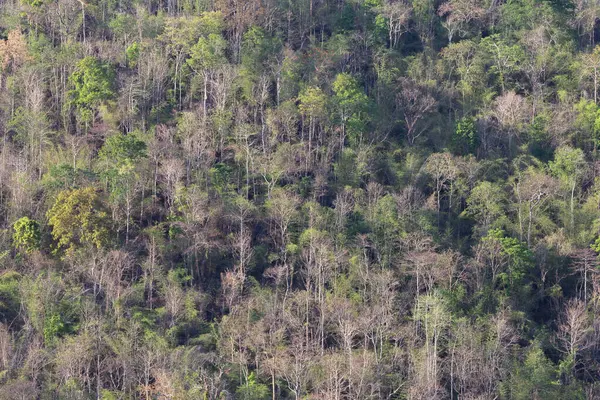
(299, 199)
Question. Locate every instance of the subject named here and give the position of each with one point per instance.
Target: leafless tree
(511, 112)
(459, 14)
(172, 171)
(586, 16)
(533, 189)
(444, 170)
(415, 102)
(585, 262)
(574, 329)
(398, 15)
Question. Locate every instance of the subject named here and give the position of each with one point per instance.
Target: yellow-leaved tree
(78, 219)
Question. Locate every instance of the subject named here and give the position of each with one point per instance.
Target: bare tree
(458, 14)
(172, 171)
(574, 328)
(415, 102)
(533, 189)
(585, 18)
(590, 68)
(511, 112)
(6, 348)
(585, 262)
(431, 320)
(488, 261)
(444, 170)
(398, 15)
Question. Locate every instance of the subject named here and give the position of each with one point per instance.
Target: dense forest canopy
(299, 199)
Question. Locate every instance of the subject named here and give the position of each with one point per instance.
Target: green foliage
(537, 377)
(521, 261)
(64, 176)
(312, 102)
(353, 106)
(119, 150)
(9, 296)
(53, 327)
(568, 165)
(133, 54)
(77, 219)
(465, 139)
(253, 390)
(26, 234)
(257, 48)
(506, 57)
(92, 85)
(34, 3)
(485, 204)
(207, 53)
(588, 121)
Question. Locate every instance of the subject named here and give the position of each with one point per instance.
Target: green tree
(312, 105)
(133, 54)
(536, 378)
(205, 56)
(78, 220)
(119, 160)
(92, 85)
(465, 139)
(505, 57)
(569, 166)
(26, 235)
(588, 122)
(520, 262)
(485, 204)
(468, 62)
(9, 296)
(352, 104)
(253, 390)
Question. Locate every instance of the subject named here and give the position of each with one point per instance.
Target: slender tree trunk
(573, 208)
(529, 223)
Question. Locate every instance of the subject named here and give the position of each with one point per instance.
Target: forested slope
(299, 199)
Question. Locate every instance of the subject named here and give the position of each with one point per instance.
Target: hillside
(299, 199)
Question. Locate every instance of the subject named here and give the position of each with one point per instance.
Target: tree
(574, 328)
(443, 169)
(415, 102)
(31, 121)
(205, 56)
(78, 220)
(467, 60)
(396, 15)
(241, 211)
(92, 85)
(485, 204)
(533, 189)
(312, 105)
(511, 113)
(588, 121)
(352, 103)
(536, 378)
(458, 14)
(26, 235)
(431, 315)
(585, 262)
(13, 51)
(569, 166)
(283, 210)
(506, 57)
(586, 16)
(119, 159)
(590, 68)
